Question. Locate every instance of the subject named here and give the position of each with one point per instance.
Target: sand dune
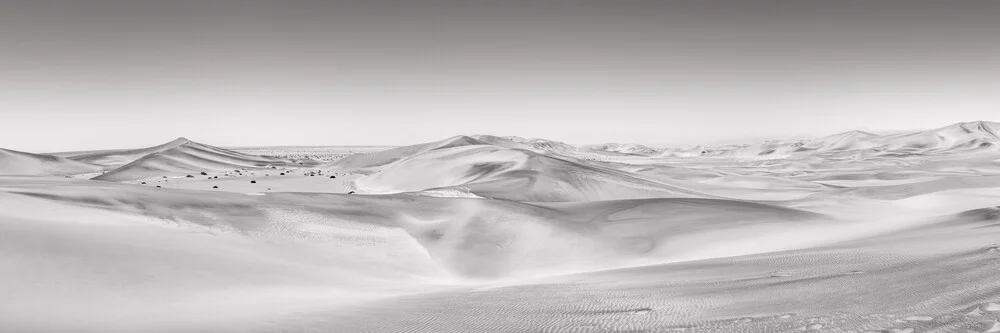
(499, 172)
(427, 253)
(952, 138)
(534, 237)
(956, 138)
(370, 162)
(625, 148)
(872, 286)
(16, 163)
(187, 158)
(153, 268)
(850, 232)
(852, 140)
(536, 145)
(119, 157)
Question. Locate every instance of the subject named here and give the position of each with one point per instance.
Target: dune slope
(187, 158)
(17, 163)
(117, 157)
(500, 172)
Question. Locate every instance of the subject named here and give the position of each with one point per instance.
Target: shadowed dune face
(501, 240)
(433, 169)
(988, 217)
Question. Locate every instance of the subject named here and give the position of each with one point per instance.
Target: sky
(77, 75)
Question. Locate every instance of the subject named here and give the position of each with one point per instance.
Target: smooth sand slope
(854, 232)
(17, 163)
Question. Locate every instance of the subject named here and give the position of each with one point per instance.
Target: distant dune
(499, 172)
(956, 138)
(542, 146)
(16, 163)
(182, 157)
(626, 149)
(119, 157)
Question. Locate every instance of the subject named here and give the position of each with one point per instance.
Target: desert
(847, 232)
(505, 166)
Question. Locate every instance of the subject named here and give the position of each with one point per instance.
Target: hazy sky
(106, 74)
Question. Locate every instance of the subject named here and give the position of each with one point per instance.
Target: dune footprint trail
(852, 232)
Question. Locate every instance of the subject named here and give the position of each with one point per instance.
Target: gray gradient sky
(107, 74)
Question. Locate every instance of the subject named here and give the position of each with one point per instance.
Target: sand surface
(852, 232)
